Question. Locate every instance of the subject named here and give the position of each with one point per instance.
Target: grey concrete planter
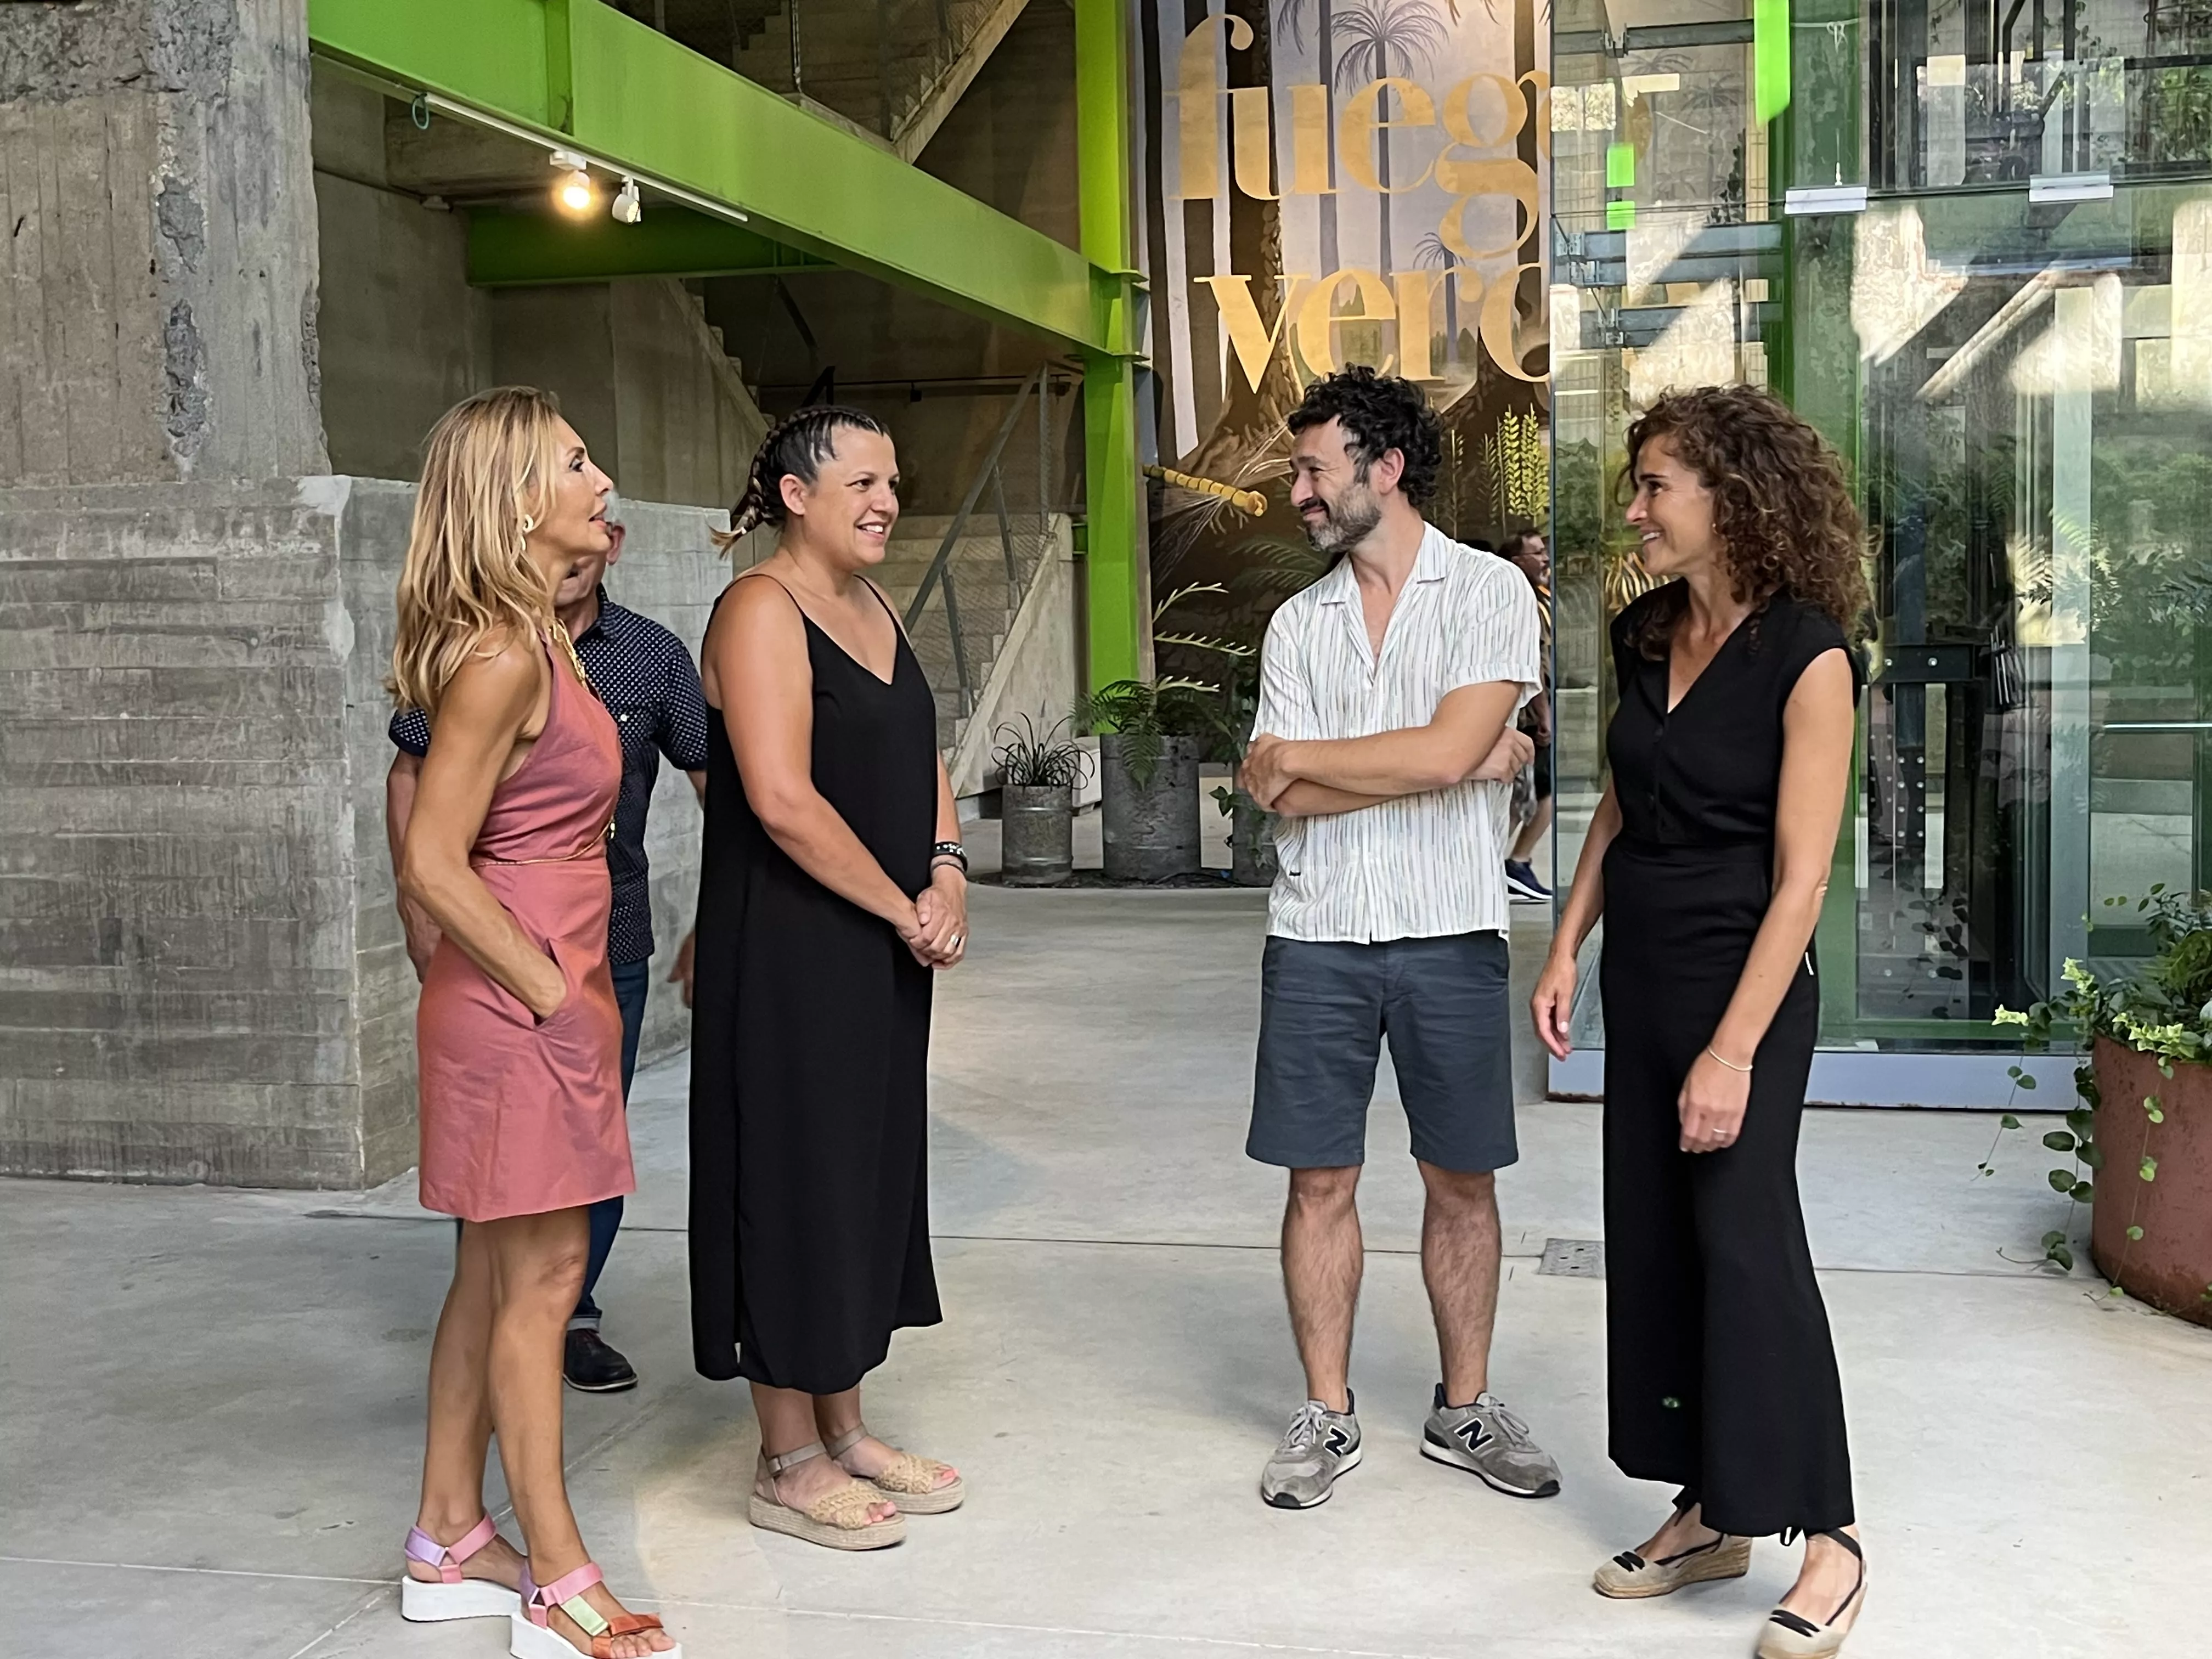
(1036, 826)
(1151, 832)
(1251, 842)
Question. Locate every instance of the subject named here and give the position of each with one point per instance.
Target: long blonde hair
(489, 467)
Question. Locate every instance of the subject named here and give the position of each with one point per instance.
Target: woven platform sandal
(453, 1596)
(1792, 1636)
(532, 1635)
(837, 1520)
(1628, 1577)
(911, 1480)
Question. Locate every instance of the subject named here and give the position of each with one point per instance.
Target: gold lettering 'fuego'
(1476, 117)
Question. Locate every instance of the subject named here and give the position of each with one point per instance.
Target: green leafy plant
(2163, 1009)
(1031, 759)
(1146, 713)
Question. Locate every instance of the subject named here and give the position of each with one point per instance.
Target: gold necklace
(569, 645)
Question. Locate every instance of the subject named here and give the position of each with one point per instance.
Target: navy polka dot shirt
(649, 683)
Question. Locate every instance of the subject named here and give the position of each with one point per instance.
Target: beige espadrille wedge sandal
(837, 1520)
(1628, 1577)
(1792, 1636)
(911, 1480)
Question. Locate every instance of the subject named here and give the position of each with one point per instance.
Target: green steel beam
(580, 70)
(506, 249)
(1120, 625)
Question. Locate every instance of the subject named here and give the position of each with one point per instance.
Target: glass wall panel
(2023, 390)
(1987, 92)
(2035, 477)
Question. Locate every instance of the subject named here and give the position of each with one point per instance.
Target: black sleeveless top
(1708, 774)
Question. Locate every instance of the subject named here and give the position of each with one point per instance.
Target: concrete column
(157, 317)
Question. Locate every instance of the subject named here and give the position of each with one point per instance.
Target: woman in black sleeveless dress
(1709, 857)
(832, 885)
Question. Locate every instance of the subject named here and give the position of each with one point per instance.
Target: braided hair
(796, 447)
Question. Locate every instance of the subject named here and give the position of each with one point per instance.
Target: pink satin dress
(521, 1115)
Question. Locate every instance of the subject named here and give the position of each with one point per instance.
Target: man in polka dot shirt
(648, 682)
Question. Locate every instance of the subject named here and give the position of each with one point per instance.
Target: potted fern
(1039, 773)
(1151, 736)
(2141, 1141)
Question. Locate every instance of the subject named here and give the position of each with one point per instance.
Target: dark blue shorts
(1324, 1010)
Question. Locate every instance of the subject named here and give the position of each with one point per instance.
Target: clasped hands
(938, 934)
(1271, 764)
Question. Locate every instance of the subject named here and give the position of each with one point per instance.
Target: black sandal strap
(1631, 1560)
(1796, 1623)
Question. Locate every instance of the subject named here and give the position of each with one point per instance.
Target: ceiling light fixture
(574, 192)
(627, 209)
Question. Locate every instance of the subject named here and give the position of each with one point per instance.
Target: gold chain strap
(569, 645)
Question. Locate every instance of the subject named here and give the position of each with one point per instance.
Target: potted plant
(1039, 773)
(1251, 826)
(1151, 736)
(2142, 1138)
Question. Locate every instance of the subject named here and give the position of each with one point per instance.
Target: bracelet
(948, 852)
(1730, 1064)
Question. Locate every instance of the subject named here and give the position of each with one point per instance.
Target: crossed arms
(1469, 737)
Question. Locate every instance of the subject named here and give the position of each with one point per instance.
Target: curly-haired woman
(833, 883)
(1709, 857)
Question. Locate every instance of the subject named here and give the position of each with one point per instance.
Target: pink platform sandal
(453, 1596)
(534, 1638)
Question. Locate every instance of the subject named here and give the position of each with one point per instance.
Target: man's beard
(1350, 520)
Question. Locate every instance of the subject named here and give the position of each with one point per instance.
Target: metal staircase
(888, 70)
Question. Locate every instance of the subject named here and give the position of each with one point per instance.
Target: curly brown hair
(1781, 507)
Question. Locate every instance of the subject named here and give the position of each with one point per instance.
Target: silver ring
(958, 940)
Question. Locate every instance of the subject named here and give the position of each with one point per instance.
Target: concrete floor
(213, 1399)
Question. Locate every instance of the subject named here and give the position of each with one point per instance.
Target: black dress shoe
(591, 1365)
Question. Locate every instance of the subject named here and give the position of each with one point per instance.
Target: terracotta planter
(2171, 1265)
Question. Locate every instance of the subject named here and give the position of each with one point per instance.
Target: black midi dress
(1722, 1375)
(810, 1047)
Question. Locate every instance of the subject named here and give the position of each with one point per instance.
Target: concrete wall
(158, 306)
(404, 337)
(204, 977)
(177, 854)
(1034, 673)
(1010, 140)
(638, 372)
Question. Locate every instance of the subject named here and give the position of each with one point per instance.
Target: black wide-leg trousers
(1720, 1372)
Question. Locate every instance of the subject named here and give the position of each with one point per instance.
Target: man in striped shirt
(1384, 737)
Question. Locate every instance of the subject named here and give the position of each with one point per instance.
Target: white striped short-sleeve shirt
(1420, 867)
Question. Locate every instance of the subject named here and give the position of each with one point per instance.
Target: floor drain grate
(1574, 1258)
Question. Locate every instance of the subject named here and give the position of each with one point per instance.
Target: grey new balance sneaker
(1319, 1445)
(1487, 1440)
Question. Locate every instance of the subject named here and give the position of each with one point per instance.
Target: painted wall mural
(1331, 182)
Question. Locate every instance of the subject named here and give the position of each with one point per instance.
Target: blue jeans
(631, 981)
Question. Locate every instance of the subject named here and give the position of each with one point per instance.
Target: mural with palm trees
(1377, 39)
(1291, 18)
(1430, 253)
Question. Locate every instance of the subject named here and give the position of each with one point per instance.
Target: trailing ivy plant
(2163, 1009)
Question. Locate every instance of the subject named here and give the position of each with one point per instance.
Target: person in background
(648, 683)
(1529, 551)
(1384, 737)
(516, 1038)
(1708, 858)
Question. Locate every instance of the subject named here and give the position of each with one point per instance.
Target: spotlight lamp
(574, 192)
(627, 209)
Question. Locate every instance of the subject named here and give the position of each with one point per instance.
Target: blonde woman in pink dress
(518, 1033)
